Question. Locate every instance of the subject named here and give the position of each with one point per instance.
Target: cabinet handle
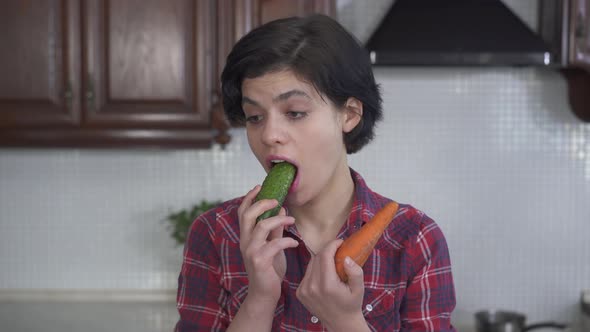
(68, 95)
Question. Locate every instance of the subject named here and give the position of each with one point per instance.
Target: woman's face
(286, 119)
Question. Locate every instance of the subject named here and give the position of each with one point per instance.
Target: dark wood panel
(123, 73)
(577, 72)
(39, 64)
(106, 138)
(145, 63)
(273, 9)
(247, 14)
(578, 82)
(580, 34)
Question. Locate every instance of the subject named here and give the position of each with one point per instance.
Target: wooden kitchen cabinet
(565, 25)
(580, 34)
(238, 17)
(145, 64)
(39, 64)
(106, 73)
(128, 73)
(577, 72)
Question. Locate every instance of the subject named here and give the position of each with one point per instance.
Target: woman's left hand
(336, 304)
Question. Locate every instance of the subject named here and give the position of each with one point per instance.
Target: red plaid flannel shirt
(408, 280)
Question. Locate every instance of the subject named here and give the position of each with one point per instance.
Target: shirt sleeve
(430, 295)
(200, 298)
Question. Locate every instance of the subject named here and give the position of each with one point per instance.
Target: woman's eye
(253, 118)
(296, 114)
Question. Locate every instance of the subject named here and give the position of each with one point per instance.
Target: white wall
(494, 155)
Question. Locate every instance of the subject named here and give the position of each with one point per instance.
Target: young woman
(304, 88)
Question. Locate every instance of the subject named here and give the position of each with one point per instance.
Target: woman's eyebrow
(282, 97)
(286, 95)
(246, 100)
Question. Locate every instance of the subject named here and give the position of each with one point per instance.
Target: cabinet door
(248, 14)
(238, 17)
(39, 63)
(273, 9)
(145, 63)
(580, 34)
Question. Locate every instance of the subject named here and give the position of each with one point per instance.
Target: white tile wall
(494, 155)
(86, 219)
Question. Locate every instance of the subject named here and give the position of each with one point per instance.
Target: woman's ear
(353, 114)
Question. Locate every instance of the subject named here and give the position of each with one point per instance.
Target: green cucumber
(276, 186)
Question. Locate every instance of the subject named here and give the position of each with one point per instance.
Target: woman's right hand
(262, 245)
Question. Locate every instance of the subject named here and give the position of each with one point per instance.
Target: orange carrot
(361, 243)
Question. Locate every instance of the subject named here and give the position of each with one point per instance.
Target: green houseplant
(180, 222)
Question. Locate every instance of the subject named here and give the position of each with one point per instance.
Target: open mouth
(274, 162)
(271, 162)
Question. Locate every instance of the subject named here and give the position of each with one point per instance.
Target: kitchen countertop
(88, 316)
(144, 316)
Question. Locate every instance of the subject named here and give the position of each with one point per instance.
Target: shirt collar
(362, 210)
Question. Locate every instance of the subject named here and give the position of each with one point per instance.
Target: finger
(247, 201)
(259, 207)
(268, 251)
(330, 249)
(328, 266)
(278, 232)
(262, 230)
(248, 218)
(355, 276)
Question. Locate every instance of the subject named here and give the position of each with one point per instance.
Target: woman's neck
(323, 217)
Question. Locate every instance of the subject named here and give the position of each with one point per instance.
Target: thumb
(355, 276)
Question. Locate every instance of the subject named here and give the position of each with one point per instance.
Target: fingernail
(348, 261)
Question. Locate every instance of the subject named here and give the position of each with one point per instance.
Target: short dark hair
(317, 49)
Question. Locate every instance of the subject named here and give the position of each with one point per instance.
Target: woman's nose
(273, 132)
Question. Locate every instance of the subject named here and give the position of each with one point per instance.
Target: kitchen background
(494, 155)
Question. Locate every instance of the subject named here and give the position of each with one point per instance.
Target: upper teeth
(276, 161)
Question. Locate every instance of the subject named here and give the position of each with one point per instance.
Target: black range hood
(455, 33)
